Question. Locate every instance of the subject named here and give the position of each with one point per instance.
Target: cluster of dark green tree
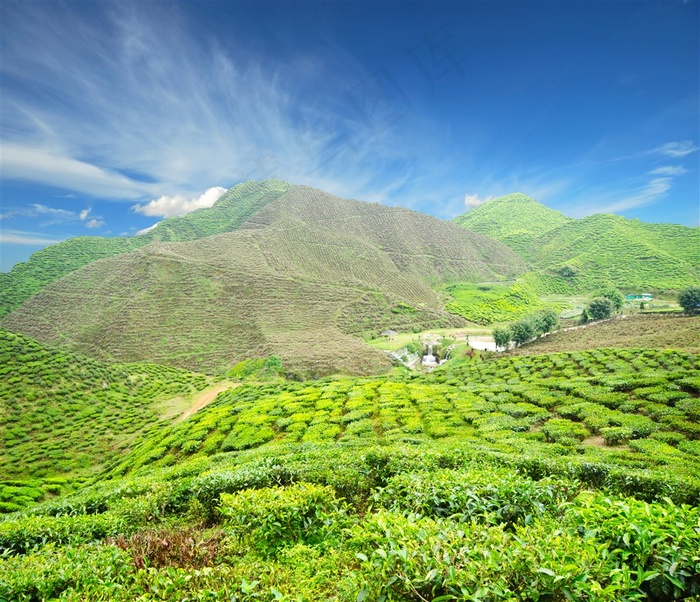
(604, 305)
(526, 329)
(689, 300)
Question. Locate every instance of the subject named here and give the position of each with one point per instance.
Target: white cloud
(170, 206)
(94, 223)
(83, 214)
(669, 170)
(144, 231)
(676, 149)
(474, 200)
(19, 237)
(35, 164)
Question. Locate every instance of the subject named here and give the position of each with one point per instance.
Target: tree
(617, 298)
(599, 309)
(502, 337)
(689, 300)
(547, 321)
(523, 330)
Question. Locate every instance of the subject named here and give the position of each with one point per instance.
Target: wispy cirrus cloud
(20, 237)
(651, 192)
(676, 149)
(51, 216)
(144, 95)
(669, 170)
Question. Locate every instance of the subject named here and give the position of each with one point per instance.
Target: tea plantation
(568, 476)
(64, 415)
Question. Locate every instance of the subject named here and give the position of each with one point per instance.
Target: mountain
(582, 255)
(514, 219)
(231, 210)
(303, 278)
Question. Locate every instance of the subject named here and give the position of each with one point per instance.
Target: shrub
(485, 494)
(272, 518)
(21, 535)
(561, 430)
(599, 308)
(616, 435)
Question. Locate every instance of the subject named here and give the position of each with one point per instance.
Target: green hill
(603, 249)
(514, 219)
(303, 279)
(402, 489)
(583, 255)
(231, 210)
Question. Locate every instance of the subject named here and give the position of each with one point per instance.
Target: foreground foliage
(371, 523)
(564, 477)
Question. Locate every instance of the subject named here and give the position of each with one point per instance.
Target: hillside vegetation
(489, 303)
(411, 489)
(302, 280)
(569, 256)
(63, 415)
(232, 209)
(514, 219)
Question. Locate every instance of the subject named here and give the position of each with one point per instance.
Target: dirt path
(205, 398)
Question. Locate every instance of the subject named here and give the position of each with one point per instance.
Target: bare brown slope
(287, 287)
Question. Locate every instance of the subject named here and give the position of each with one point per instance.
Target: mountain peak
(515, 219)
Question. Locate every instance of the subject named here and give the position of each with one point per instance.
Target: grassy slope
(489, 303)
(45, 266)
(305, 274)
(600, 250)
(64, 415)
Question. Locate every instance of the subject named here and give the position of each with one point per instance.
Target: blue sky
(115, 115)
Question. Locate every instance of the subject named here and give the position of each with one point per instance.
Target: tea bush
(271, 518)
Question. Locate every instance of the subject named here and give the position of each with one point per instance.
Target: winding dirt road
(205, 398)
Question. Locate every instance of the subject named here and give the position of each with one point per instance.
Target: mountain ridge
(229, 212)
(571, 256)
(303, 282)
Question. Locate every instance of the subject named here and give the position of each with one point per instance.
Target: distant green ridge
(569, 255)
(514, 219)
(234, 207)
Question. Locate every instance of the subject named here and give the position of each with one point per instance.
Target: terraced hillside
(63, 415)
(233, 208)
(301, 280)
(588, 403)
(583, 255)
(405, 489)
(602, 250)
